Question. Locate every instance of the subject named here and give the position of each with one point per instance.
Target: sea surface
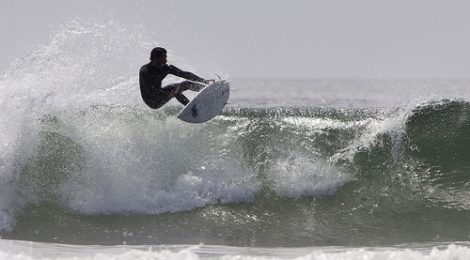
(292, 168)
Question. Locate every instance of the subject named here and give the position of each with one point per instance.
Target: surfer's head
(158, 55)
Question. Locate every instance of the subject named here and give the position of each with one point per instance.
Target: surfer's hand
(171, 94)
(209, 81)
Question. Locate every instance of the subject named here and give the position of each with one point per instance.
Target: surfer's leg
(192, 86)
(156, 102)
(182, 99)
(183, 86)
(179, 88)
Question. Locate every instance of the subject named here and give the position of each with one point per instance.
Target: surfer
(152, 74)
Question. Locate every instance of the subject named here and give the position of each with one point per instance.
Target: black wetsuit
(150, 79)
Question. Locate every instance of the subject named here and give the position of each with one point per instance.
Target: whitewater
(292, 169)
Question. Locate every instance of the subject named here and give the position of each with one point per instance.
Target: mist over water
(289, 162)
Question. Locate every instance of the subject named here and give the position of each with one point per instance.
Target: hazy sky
(271, 38)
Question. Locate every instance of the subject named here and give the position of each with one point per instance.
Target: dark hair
(157, 53)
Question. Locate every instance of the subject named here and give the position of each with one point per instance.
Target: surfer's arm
(184, 74)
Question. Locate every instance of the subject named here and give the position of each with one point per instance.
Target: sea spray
(83, 64)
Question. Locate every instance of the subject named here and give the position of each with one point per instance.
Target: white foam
(17, 144)
(451, 252)
(324, 123)
(392, 123)
(134, 164)
(31, 250)
(300, 176)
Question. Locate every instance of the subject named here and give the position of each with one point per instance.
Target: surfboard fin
(194, 111)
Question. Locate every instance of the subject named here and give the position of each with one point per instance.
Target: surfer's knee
(153, 105)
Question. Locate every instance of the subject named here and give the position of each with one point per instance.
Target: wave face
(84, 161)
(303, 168)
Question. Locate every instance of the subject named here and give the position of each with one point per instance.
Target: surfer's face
(161, 60)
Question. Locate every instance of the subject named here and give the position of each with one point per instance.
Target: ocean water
(292, 169)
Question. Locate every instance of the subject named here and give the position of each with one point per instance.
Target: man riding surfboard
(152, 74)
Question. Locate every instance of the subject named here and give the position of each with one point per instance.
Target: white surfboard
(207, 104)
